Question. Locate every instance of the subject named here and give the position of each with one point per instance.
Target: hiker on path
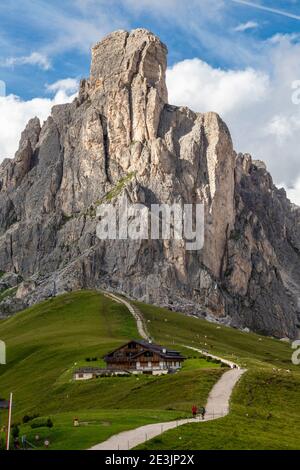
(194, 411)
(202, 411)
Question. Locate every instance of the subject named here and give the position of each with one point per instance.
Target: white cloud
(293, 192)
(204, 88)
(15, 113)
(35, 58)
(282, 127)
(68, 85)
(256, 104)
(246, 26)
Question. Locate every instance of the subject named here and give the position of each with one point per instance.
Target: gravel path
(217, 404)
(136, 314)
(217, 407)
(231, 364)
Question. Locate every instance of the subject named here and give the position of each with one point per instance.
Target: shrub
(28, 418)
(49, 423)
(41, 423)
(38, 425)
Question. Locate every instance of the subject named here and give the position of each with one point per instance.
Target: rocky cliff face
(121, 139)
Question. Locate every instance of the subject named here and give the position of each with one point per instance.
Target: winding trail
(232, 365)
(137, 314)
(217, 404)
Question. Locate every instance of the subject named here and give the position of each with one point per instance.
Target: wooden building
(139, 356)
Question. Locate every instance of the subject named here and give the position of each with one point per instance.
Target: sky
(235, 57)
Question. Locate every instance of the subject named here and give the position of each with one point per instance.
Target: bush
(42, 423)
(28, 418)
(49, 423)
(38, 425)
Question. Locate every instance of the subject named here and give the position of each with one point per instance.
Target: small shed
(88, 373)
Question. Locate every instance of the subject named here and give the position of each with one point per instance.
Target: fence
(159, 429)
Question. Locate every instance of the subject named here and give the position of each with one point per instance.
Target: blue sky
(236, 57)
(63, 32)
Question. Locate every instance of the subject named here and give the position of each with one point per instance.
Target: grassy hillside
(265, 411)
(264, 415)
(47, 342)
(247, 349)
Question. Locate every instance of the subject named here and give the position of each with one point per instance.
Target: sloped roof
(156, 348)
(95, 370)
(88, 370)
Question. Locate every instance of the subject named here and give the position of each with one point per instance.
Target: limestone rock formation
(120, 139)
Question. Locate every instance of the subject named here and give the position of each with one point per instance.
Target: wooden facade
(143, 357)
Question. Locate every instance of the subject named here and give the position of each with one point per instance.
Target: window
(148, 354)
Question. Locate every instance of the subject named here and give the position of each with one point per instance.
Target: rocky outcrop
(121, 140)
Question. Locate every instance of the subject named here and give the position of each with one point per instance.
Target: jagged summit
(121, 139)
(128, 79)
(122, 51)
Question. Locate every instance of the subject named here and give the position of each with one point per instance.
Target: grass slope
(265, 411)
(247, 349)
(46, 342)
(264, 415)
(44, 345)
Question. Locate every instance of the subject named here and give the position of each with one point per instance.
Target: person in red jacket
(194, 411)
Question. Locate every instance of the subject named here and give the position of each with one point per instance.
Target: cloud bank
(256, 104)
(15, 113)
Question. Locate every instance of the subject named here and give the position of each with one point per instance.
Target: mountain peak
(128, 84)
(121, 139)
(123, 52)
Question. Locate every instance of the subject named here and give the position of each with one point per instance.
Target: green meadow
(47, 342)
(265, 412)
